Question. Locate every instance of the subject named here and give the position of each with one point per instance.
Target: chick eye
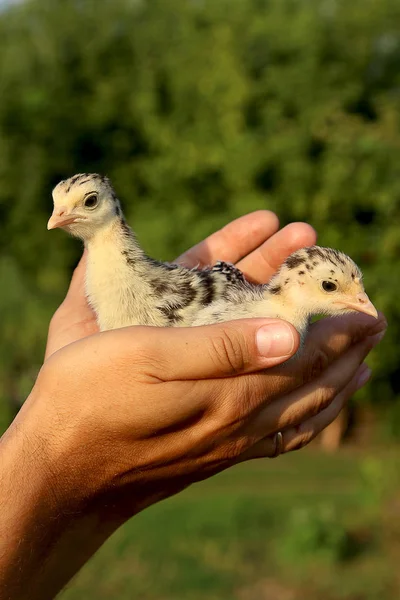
(91, 201)
(329, 286)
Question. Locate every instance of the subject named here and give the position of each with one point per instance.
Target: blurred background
(201, 111)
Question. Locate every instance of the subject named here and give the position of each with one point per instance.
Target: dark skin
(122, 419)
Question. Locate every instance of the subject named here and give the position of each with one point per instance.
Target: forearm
(45, 535)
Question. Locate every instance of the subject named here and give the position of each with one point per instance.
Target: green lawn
(305, 526)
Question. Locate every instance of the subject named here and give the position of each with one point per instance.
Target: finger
(75, 307)
(76, 290)
(74, 319)
(307, 401)
(234, 241)
(300, 436)
(263, 262)
(331, 337)
(221, 350)
(295, 438)
(319, 353)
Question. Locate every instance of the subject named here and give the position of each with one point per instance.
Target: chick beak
(361, 303)
(60, 218)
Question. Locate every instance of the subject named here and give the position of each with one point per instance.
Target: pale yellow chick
(312, 281)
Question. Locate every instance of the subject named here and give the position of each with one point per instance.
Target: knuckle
(237, 447)
(228, 352)
(323, 396)
(147, 365)
(303, 439)
(52, 373)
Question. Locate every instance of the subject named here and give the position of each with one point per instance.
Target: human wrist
(30, 488)
(28, 505)
(46, 531)
(65, 469)
(28, 458)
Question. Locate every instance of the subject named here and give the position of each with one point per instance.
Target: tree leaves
(199, 111)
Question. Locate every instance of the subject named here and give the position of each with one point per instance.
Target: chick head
(83, 204)
(324, 281)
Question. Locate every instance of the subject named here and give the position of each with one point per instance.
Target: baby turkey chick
(123, 285)
(312, 281)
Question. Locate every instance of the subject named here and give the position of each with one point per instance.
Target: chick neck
(117, 235)
(287, 302)
(118, 277)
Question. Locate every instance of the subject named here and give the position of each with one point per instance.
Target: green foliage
(377, 480)
(312, 533)
(199, 111)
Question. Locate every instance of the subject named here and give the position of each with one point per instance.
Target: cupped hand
(126, 417)
(253, 242)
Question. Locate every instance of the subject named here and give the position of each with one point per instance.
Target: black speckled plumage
(312, 281)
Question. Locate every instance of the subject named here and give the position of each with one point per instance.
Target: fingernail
(275, 340)
(364, 376)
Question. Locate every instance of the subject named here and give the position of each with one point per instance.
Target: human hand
(253, 242)
(146, 416)
(124, 418)
(313, 360)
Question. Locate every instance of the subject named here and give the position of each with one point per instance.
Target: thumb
(221, 350)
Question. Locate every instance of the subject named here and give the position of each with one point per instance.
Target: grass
(307, 525)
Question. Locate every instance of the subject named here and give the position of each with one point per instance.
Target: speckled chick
(312, 281)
